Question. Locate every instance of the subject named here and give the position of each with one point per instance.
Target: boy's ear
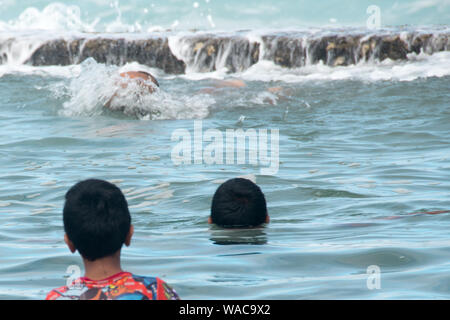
(69, 243)
(267, 218)
(209, 220)
(129, 236)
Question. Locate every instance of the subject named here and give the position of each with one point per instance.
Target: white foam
(264, 98)
(34, 204)
(402, 191)
(97, 83)
(144, 204)
(181, 47)
(399, 182)
(44, 71)
(48, 183)
(161, 195)
(417, 66)
(55, 16)
(143, 190)
(41, 210)
(31, 196)
(18, 48)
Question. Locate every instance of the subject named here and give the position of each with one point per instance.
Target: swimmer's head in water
(239, 203)
(141, 77)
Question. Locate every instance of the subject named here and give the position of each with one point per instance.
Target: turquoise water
(350, 161)
(363, 150)
(141, 15)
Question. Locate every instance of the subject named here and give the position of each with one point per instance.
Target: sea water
(363, 152)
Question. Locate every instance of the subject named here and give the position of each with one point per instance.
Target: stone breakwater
(210, 52)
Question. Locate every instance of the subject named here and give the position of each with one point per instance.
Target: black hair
(238, 203)
(96, 218)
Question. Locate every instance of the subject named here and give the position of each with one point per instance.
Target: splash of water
(97, 84)
(55, 16)
(417, 66)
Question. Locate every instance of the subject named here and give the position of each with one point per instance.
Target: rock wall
(153, 52)
(206, 53)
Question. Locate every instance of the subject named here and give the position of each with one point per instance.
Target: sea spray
(97, 84)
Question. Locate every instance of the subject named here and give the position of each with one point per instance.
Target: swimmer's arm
(235, 83)
(280, 92)
(219, 84)
(108, 104)
(238, 83)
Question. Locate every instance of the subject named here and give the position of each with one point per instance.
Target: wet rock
(294, 53)
(380, 48)
(436, 43)
(419, 42)
(151, 52)
(154, 53)
(209, 53)
(341, 51)
(108, 51)
(393, 48)
(285, 51)
(52, 53)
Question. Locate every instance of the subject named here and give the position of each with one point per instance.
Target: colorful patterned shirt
(122, 286)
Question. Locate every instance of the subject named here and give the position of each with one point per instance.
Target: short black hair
(96, 218)
(237, 203)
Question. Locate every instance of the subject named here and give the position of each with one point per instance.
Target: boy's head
(96, 219)
(239, 203)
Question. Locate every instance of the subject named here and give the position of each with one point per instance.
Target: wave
(292, 55)
(144, 16)
(417, 66)
(60, 17)
(207, 52)
(94, 84)
(56, 41)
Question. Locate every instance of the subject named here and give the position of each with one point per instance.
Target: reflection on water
(238, 236)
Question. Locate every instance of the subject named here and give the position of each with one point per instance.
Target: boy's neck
(102, 268)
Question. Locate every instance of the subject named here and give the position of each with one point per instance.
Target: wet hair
(152, 78)
(96, 218)
(238, 203)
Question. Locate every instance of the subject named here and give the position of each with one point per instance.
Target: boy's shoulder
(123, 286)
(160, 289)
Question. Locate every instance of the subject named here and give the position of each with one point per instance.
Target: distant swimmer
(147, 81)
(147, 84)
(219, 84)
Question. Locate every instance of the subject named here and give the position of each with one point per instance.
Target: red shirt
(121, 286)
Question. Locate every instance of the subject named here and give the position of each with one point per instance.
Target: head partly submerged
(96, 218)
(239, 203)
(142, 78)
